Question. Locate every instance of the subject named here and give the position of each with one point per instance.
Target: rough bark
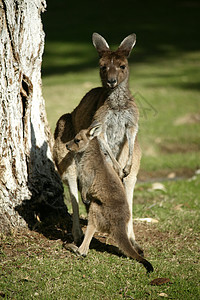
(29, 183)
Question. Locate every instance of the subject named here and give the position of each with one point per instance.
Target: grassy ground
(165, 72)
(35, 266)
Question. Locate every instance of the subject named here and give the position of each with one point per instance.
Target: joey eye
(76, 141)
(103, 68)
(122, 67)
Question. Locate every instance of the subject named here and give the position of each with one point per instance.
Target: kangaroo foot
(71, 247)
(83, 250)
(137, 247)
(80, 254)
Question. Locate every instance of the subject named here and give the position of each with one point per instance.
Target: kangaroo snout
(112, 82)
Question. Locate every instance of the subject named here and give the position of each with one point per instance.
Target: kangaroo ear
(94, 130)
(99, 43)
(127, 44)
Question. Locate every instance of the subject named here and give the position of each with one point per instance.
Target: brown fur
(108, 210)
(113, 106)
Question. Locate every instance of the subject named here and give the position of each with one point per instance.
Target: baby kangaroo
(108, 211)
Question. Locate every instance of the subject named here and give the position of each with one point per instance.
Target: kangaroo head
(81, 141)
(113, 64)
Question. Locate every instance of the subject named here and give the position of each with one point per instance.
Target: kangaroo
(108, 211)
(113, 106)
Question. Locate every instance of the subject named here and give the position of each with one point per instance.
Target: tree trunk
(29, 183)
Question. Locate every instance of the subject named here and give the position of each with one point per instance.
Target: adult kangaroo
(108, 210)
(113, 106)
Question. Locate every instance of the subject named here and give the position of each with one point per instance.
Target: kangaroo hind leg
(84, 247)
(70, 179)
(129, 184)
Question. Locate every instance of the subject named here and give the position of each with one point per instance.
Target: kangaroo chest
(116, 123)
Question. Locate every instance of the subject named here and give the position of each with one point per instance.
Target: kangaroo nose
(112, 82)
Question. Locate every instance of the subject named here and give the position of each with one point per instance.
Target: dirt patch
(179, 148)
(149, 234)
(188, 119)
(29, 243)
(26, 242)
(162, 175)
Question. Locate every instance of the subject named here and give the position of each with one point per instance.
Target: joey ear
(94, 130)
(99, 43)
(127, 44)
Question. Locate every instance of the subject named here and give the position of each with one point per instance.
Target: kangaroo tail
(125, 245)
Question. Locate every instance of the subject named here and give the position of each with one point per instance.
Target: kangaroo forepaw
(126, 171)
(84, 197)
(120, 174)
(85, 201)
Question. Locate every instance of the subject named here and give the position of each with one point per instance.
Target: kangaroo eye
(122, 67)
(76, 141)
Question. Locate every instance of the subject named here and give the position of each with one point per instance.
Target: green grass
(164, 77)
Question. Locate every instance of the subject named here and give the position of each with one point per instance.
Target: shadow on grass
(190, 85)
(44, 220)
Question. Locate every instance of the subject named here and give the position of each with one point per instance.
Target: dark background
(163, 28)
